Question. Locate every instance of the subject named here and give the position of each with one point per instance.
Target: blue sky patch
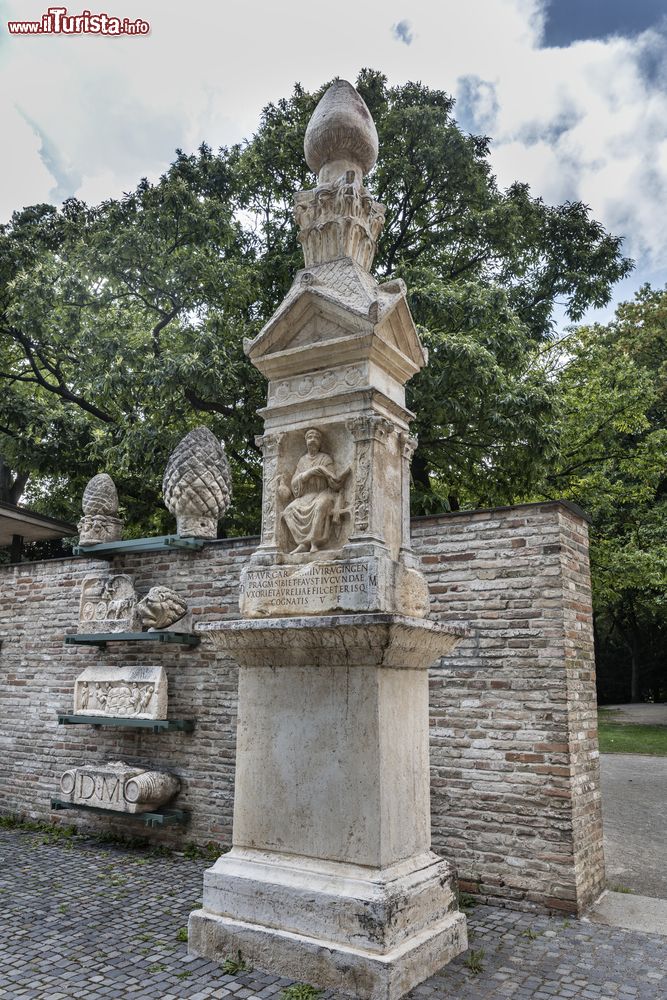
(570, 21)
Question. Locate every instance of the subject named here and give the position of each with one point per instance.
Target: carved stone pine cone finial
(100, 496)
(341, 132)
(100, 522)
(197, 484)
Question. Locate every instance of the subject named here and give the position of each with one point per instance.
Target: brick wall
(514, 758)
(515, 779)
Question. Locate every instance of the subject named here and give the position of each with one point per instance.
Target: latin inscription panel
(310, 588)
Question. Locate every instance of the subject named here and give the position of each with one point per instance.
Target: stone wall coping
(546, 504)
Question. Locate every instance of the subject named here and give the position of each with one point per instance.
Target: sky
(573, 93)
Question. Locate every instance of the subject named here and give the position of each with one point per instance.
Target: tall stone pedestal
(331, 879)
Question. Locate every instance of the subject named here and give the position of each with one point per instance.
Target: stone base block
(350, 971)
(371, 933)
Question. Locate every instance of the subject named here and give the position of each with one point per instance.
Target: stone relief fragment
(121, 692)
(100, 522)
(314, 498)
(197, 484)
(108, 604)
(162, 609)
(117, 786)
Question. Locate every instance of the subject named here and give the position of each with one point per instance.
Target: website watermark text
(56, 21)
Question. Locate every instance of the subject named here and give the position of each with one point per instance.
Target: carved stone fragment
(108, 604)
(338, 220)
(118, 786)
(121, 692)
(163, 609)
(197, 484)
(100, 522)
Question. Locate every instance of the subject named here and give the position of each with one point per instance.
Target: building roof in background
(30, 525)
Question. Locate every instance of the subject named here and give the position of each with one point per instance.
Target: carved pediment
(339, 307)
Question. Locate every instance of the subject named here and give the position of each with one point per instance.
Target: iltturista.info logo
(56, 21)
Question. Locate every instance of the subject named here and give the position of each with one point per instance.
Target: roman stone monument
(331, 879)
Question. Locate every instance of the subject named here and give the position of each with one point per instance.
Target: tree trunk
(420, 472)
(635, 660)
(16, 549)
(12, 485)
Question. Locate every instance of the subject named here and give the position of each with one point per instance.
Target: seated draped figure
(315, 511)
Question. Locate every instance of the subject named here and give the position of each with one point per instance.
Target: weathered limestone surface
(337, 449)
(513, 750)
(162, 609)
(339, 218)
(325, 850)
(117, 786)
(100, 521)
(108, 604)
(317, 696)
(122, 692)
(383, 927)
(197, 484)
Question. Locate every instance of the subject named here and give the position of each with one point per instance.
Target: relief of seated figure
(315, 511)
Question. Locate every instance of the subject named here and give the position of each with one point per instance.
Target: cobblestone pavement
(84, 920)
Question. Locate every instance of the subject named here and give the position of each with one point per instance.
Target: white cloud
(25, 177)
(587, 121)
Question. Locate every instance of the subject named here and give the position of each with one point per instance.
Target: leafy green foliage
(612, 460)
(210, 851)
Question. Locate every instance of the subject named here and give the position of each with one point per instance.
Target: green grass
(300, 991)
(622, 737)
(475, 961)
(232, 966)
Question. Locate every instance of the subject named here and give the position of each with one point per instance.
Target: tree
(122, 323)
(612, 460)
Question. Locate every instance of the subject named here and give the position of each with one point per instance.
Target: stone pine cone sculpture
(100, 496)
(197, 484)
(100, 522)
